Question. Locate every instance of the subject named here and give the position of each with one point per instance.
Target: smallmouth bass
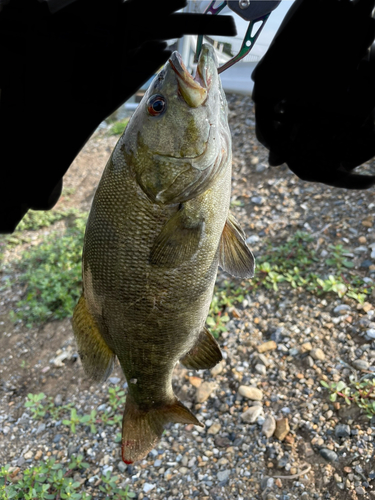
(158, 228)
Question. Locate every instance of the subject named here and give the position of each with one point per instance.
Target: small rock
(204, 391)
(223, 475)
(317, 354)
(41, 428)
(257, 200)
(214, 429)
(306, 346)
(367, 223)
(20, 462)
(58, 400)
(122, 467)
(366, 264)
(282, 428)
(361, 364)
(269, 426)
(114, 380)
(341, 308)
(195, 381)
(370, 334)
(222, 461)
(342, 430)
(38, 455)
(367, 307)
(157, 463)
(267, 346)
(260, 368)
(251, 240)
(328, 455)
(250, 392)
(251, 415)
(216, 370)
(147, 487)
(28, 455)
(360, 491)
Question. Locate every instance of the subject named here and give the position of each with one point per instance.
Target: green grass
(40, 405)
(292, 264)
(51, 272)
(32, 221)
(359, 392)
(51, 480)
(118, 127)
(295, 262)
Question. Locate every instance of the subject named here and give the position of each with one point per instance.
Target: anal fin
(205, 354)
(97, 358)
(235, 256)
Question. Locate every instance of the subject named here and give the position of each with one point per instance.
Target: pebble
(223, 475)
(216, 370)
(260, 368)
(282, 428)
(114, 380)
(269, 426)
(339, 309)
(342, 430)
(328, 454)
(360, 491)
(267, 346)
(251, 415)
(204, 391)
(58, 400)
(41, 428)
(370, 334)
(251, 240)
(147, 487)
(317, 354)
(361, 364)
(250, 392)
(122, 466)
(366, 264)
(214, 429)
(306, 346)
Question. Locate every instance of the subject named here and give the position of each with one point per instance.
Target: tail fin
(141, 429)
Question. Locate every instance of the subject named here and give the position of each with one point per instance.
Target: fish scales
(158, 228)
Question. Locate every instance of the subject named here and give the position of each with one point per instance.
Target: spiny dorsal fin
(205, 354)
(235, 256)
(96, 357)
(178, 241)
(141, 429)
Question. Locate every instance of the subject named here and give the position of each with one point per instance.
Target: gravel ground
(271, 431)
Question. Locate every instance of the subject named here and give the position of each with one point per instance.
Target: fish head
(178, 138)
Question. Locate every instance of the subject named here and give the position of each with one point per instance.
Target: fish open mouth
(193, 90)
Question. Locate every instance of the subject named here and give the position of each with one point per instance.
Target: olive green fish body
(158, 228)
(149, 315)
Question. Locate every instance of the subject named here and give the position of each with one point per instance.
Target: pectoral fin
(97, 358)
(205, 354)
(235, 256)
(178, 241)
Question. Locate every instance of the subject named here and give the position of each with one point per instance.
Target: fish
(158, 228)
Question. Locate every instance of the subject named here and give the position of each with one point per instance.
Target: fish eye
(156, 105)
